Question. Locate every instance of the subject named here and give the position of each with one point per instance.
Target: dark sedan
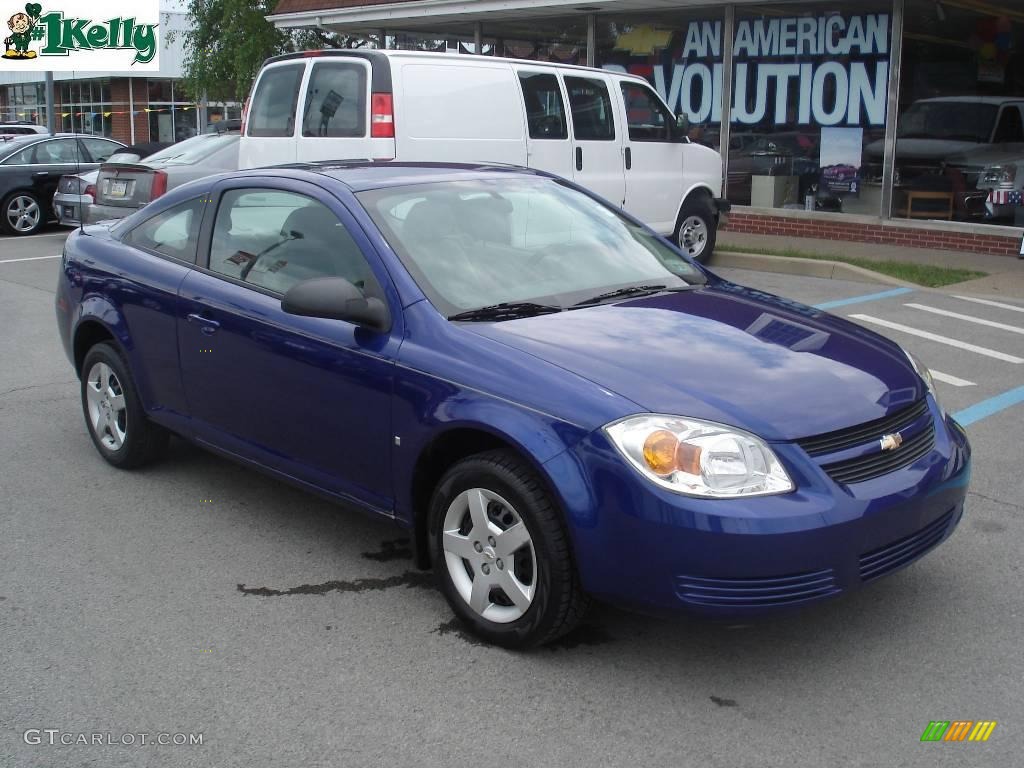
(30, 169)
(554, 400)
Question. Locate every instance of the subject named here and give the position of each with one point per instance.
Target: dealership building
(889, 121)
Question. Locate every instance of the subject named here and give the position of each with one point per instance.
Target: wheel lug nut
(485, 568)
(477, 546)
(490, 540)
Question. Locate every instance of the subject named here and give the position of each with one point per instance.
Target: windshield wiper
(633, 290)
(508, 310)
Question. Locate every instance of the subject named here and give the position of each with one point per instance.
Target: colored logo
(891, 442)
(34, 34)
(958, 730)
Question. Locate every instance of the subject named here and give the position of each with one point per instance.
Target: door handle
(579, 158)
(629, 159)
(40, 174)
(207, 326)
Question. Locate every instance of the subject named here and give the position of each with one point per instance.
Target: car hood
(727, 354)
(922, 149)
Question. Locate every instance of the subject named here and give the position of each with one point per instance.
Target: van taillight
(159, 185)
(382, 116)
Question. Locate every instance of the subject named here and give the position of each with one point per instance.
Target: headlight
(699, 458)
(999, 174)
(922, 370)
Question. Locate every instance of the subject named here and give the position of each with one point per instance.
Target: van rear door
(335, 114)
(653, 156)
(271, 128)
(548, 147)
(596, 137)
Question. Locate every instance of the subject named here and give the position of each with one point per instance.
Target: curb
(791, 265)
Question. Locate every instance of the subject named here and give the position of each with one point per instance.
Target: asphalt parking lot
(199, 597)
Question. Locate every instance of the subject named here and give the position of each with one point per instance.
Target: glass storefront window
(679, 53)
(960, 132)
(810, 90)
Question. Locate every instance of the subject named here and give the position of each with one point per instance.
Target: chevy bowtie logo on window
(82, 36)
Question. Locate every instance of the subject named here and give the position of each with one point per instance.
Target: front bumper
(654, 549)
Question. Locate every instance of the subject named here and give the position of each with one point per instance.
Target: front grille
(877, 464)
(841, 439)
(879, 562)
(756, 593)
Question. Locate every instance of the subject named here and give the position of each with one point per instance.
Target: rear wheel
(697, 228)
(501, 553)
(115, 418)
(22, 214)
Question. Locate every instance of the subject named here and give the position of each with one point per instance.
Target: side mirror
(682, 126)
(335, 298)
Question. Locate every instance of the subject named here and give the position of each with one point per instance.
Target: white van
(617, 138)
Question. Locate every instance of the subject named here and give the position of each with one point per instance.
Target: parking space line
(949, 379)
(967, 318)
(940, 339)
(990, 303)
(989, 407)
(28, 258)
(862, 299)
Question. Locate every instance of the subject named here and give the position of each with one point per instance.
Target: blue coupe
(552, 399)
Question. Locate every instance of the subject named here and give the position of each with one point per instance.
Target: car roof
(363, 175)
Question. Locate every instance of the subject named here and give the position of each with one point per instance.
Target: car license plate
(118, 188)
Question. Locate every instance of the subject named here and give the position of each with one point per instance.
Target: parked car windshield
(472, 244)
(949, 120)
(191, 150)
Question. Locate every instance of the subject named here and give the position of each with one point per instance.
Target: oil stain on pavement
(422, 579)
(397, 549)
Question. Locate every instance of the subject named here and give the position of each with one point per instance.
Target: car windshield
(502, 241)
(949, 120)
(191, 150)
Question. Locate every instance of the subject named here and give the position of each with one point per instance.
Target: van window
(646, 118)
(273, 107)
(591, 109)
(545, 113)
(335, 100)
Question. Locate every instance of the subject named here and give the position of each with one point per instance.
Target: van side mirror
(682, 126)
(335, 298)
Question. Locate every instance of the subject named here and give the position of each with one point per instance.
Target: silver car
(123, 188)
(79, 189)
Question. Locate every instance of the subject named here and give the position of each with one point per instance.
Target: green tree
(227, 41)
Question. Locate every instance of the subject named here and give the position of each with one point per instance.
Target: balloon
(988, 51)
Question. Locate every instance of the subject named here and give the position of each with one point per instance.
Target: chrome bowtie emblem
(891, 442)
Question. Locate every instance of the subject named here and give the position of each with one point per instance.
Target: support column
(478, 39)
(51, 106)
(591, 39)
(891, 107)
(729, 24)
(131, 110)
(383, 33)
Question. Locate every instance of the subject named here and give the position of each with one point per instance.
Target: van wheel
(697, 228)
(501, 553)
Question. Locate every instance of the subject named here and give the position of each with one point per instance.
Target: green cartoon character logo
(21, 26)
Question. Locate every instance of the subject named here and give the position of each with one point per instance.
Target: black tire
(698, 206)
(8, 226)
(559, 602)
(143, 441)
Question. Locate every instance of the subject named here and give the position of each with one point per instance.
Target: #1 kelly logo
(37, 35)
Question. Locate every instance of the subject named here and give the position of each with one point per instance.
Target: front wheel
(501, 553)
(23, 214)
(697, 228)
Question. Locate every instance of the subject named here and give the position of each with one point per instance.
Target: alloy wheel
(489, 555)
(23, 213)
(108, 414)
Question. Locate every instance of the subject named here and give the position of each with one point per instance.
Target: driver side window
(273, 239)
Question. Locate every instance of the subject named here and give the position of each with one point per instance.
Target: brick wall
(120, 125)
(888, 233)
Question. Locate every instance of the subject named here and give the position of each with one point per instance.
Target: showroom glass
(471, 244)
(591, 109)
(273, 105)
(961, 110)
(273, 240)
(809, 94)
(545, 112)
(173, 232)
(646, 118)
(683, 63)
(335, 100)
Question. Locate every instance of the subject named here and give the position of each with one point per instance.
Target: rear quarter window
(174, 232)
(273, 106)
